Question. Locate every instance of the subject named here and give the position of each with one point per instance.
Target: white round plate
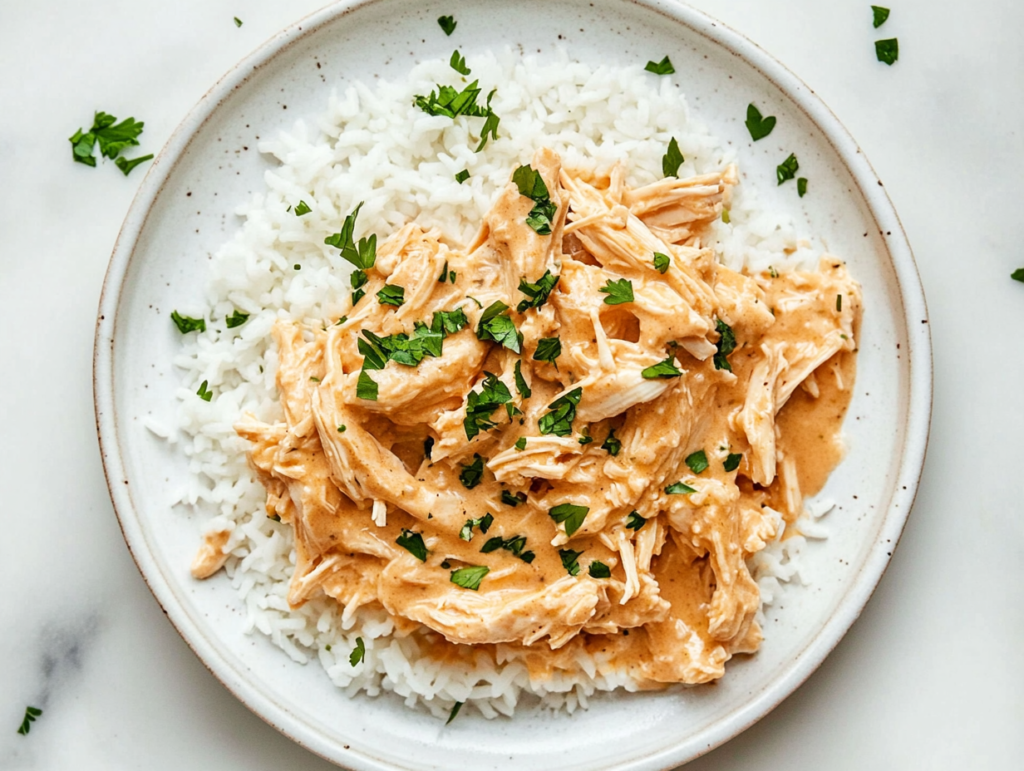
(183, 212)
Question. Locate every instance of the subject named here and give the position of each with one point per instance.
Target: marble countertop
(930, 677)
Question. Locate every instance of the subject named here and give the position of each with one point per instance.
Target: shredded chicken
(495, 494)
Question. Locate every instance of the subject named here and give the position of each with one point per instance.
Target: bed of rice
(373, 145)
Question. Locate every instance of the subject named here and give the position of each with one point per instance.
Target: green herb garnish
(725, 216)
(31, 713)
(520, 443)
(204, 393)
(787, 169)
(470, 577)
(236, 319)
(472, 473)
(619, 292)
(186, 324)
(758, 126)
(599, 570)
(362, 254)
(887, 51)
(661, 262)
(570, 561)
(672, 160)
(678, 488)
(461, 177)
(412, 542)
(391, 294)
(537, 293)
(801, 186)
(342, 428)
(126, 165)
(238, 22)
(531, 185)
(726, 344)
(521, 386)
(448, 24)
(496, 326)
(563, 412)
(571, 514)
(839, 303)
(358, 653)
(879, 15)
(665, 369)
(448, 322)
(664, 67)
(302, 209)
(585, 437)
(480, 405)
(512, 500)
(112, 137)
(458, 63)
(366, 387)
(484, 523)
(458, 704)
(612, 443)
(732, 462)
(697, 461)
(1018, 275)
(548, 349)
(634, 521)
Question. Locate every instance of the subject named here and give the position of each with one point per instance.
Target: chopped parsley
(571, 514)
(619, 292)
(472, 473)
(612, 443)
(112, 138)
(357, 295)
(548, 349)
(515, 544)
(879, 15)
(732, 462)
(512, 500)
(537, 293)
(678, 488)
(725, 216)
(204, 393)
(887, 51)
(484, 523)
(448, 322)
(458, 704)
(412, 542)
(362, 254)
(470, 577)
(634, 521)
(661, 262)
(342, 428)
(531, 185)
(462, 176)
(672, 159)
(496, 326)
(358, 653)
(450, 102)
(377, 351)
(366, 387)
(801, 186)
(839, 303)
(302, 209)
(126, 165)
(787, 169)
(238, 22)
(758, 126)
(697, 461)
(521, 386)
(448, 24)
(1018, 275)
(480, 405)
(563, 412)
(599, 570)
(31, 713)
(726, 344)
(664, 369)
(585, 437)
(391, 294)
(458, 63)
(236, 319)
(186, 324)
(664, 67)
(520, 443)
(570, 561)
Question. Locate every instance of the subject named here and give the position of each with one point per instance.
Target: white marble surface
(930, 677)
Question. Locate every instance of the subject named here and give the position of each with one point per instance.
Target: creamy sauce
(379, 521)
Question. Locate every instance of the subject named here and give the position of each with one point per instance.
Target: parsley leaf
(666, 368)
(366, 387)
(458, 704)
(238, 22)
(186, 324)
(531, 185)
(412, 542)
(661, 262)
(570, 561)
(571, 514)
(512, 500)
(520, 443)
(480, 405)
(496, 326)
(358, 653)
(726, 344)
(612, 443)
(391, 294)
(302, 209)
(362, 254)
(126, 165)
(490, 128)
(492, 544)
(521, 386)
(599, 570)
(678, 488)
(358, 279)
(801, 186)
(879, 15)
(787, 169)
(470, 577)
(618, 292)
(472, 473)
(672, 160)
(563, 412)
(427, 339)
(634, 521)
(458, 63)
(887, 51)
(236, 319)
(448, 24)
(484, 523)
(839, 303)
(732, 462)
(204, 393)
(548, 349)
(31, 713)
(462, 176)
(515, 544)
(585, 437)
(373, 351)
(664, 67)
(697, 461)
(758, 126)
(1018, 275)
(537, 293)
(114, 137)
(448, 322)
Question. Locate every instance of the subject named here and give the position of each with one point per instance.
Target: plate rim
(862, 585)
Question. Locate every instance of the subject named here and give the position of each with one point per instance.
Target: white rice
(375, 146)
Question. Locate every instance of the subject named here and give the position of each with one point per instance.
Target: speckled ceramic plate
(183, 213)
